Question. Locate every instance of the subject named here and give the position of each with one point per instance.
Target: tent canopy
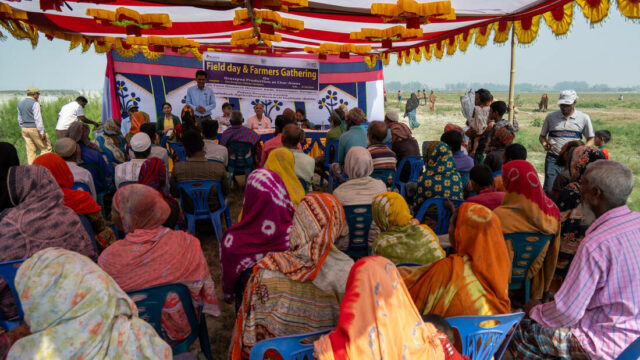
(412, 30)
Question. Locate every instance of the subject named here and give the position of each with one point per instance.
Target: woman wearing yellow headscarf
(282, 163)
(403, 239)
(471, 281)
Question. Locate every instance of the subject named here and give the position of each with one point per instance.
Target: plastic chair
(125, 183)
(81, 186)
(216, 161)
(87, 226)
(484, 342)
(383, 175)
(289, 347)
(408, 265)
(632, 352)
(526, 247)
(164, 140)
(304, 184)
(417, 165)
(8, 272)
(359, 218)
(444, 216)
(242, 159)
(178, 150)
(198, 192)
(150, 302)
(330, 148)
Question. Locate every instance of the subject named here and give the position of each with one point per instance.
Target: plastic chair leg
(227, 216)
(330, 181)
(527, 284)
(191, 224)
(205, 346)
(217, 226)
(402, 191)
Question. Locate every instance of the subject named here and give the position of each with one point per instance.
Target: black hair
(192, 141)
(82, 99)
(481, 175)
(236, 118)
(605, 135)
(500, 107)
(201, 72)
(149, 129)
(291, 138)
(282, 121)
(225, 105)
(301, 111)
(453, 138)
(209, 128)
(378, 130)
(485, 95)
(166, 103)
(142, 154)
(515, 152)
(441, 324)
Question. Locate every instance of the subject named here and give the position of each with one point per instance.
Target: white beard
(588, 216)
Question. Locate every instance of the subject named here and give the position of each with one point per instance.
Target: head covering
(111, 141)
(8, 159)
(392, 116)
(137, 119)
(65, 147)
(140, 207)
(472, 281)
(140, 142)
(111, 127)
(412, 104)
(580, 158)
(79, 201)
(358, 163)
(567, 97)
(377, 306)
(132, 106)
(402, 239)
(440, 179)
(153, 173)
(79, 132)
(33, 90)
(263, 229)
(281, 162)
(503, 136)
(455, 127)
(76, 308)
(399, 131)
(526, 208)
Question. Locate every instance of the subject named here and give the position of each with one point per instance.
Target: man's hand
(43, 136)
(200, 109)
(530, 305)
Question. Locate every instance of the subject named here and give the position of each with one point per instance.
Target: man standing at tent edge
(32, 125)
(201, 98)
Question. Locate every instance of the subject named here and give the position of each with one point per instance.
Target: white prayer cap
(140, 142)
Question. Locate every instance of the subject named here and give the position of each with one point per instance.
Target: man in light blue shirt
(201, 98)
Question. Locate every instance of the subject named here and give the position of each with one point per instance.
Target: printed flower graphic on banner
(268, 105)
(124, 98)
(331, 101)
(184, 99)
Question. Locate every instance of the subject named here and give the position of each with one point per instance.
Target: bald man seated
(292, 136)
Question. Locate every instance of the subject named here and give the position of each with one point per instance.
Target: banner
(149, 83)
(240, 76)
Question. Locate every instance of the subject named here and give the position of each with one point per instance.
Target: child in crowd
(480, 117)
(601, 140)
(442, 325)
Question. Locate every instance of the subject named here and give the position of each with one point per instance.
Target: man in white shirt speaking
(71, 113)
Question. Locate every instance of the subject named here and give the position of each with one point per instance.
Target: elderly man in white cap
(32, 125)
(69, 150)
(559, 128)
(129, 171)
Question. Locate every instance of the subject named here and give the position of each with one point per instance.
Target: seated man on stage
(259, 120)
(240, 133)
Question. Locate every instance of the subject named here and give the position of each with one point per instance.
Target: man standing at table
(71, 113)
(32, 126)
(201, 98)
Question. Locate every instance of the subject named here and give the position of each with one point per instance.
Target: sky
(603, 54)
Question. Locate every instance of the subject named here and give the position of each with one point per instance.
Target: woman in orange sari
(137, 119)
(471, 281)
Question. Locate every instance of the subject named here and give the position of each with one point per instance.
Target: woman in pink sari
(152, 254)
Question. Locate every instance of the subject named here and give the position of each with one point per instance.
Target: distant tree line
(581, 86)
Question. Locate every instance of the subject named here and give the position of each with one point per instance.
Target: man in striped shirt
(383, 157)
(596, 312)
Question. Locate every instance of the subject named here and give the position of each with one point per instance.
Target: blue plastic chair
(330, 148)
(81, 186)
(497, 173)
(417, 165)
(484, 342)
(87, 226)
(150, 302)
(125, 183)
(8, 272)
(383, 175)
(198, 192)
(359, 218)
(632, 352)
(304, 184)
(409, 264)
(526, 247)
(289, 347)
(164, 140)
(216, 161)
(177, 149)
(444, 216)
(240, 159)
(464, 176)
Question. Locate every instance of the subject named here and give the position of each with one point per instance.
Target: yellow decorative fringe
(452, 45)
(527, 36)
(151, 54)
(481, 40)
(438, 49)
(562, 26)
(464, 39)
(107, 17)
(404, 10)
(501, 36)
(396, 33)
(629, 8)
(125, 52)
(242, 17)
(594, 14)
(427, 51)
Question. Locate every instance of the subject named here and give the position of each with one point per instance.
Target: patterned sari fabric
(79, 132)
(76, 311)
(403, 239)
(298, 290)
(526, 208)
(153, 173)
(153, 255)
(573, 231)
(474, 280)
(37, 220)
(8, 159)
(137, 119)
(282, 163)
(264, 228)
(440, 179)
(112, 142)
(378, 320)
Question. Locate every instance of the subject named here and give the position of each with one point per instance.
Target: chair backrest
(526, 247)
(384, 174)
(417, 165)
(330, 152)
(216, 161)
(125, 183)
(359, 218)
(497, 173)
(198, 192)
(240, 154)
(81, 186)
(178, 150)
(303, 183)
(289, 347)
(8, 272)
(632, 352)
(87, 226)
(163, 141)
(444, 215)
(150, 302)
(482, 336)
